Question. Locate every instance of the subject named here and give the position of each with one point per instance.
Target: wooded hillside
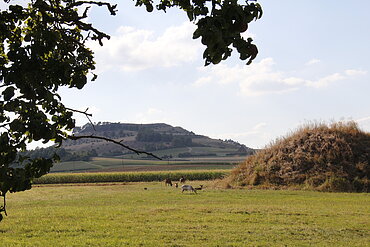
(151, 137)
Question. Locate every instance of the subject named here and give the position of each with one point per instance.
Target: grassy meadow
(151, 214)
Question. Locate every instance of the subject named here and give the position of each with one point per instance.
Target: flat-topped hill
(151, 137)
(332, 157)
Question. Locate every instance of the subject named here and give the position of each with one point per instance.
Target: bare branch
(88, 115)
(138, 152)
(82, 112)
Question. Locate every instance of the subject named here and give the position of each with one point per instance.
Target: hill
(323, 157)
(164, 139)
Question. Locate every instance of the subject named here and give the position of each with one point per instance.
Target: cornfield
(59, 178)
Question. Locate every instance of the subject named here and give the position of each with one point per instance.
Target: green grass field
(125, 164)
(221, 152)
(129, 215)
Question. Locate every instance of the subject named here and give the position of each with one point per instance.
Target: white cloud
(136, 49)
(364, 123)
(294, 81)
(202, 81)
(257, 79)
(260, 126)
(152, 115)
(251, 138)
(261, 78)
(313, 61)
(355, 72)
(364, 119)
(325, 81)
(154, 111)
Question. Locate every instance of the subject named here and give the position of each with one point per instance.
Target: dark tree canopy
(43, 47)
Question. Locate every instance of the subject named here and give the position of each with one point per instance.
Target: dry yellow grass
(317, 156)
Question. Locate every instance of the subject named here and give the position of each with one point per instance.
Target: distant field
(126, 214)
(200, 151)
(194, 150)
(126, 164)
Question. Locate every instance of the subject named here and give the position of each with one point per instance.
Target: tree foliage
(43, 47)
(219, 25)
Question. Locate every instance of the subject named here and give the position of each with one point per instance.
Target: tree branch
(138, 152)
(82, 112)
(111, 8)
(4, 126)
(88, 115)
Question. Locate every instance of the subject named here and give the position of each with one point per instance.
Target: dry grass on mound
(317, 156)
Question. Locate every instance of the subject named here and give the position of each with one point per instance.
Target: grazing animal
(182, 180)
(176, 185)
(168, 182)
(199, 188)
(188, 188)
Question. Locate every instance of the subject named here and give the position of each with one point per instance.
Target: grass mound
(317, 156)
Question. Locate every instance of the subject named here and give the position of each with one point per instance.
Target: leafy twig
(112, 8)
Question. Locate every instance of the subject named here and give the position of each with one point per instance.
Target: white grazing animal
(188, 187)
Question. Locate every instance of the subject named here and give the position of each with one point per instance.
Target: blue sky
(313, 65)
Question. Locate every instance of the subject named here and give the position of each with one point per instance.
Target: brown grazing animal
(168, 182)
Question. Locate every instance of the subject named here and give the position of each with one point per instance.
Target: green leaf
(197, 33)
(8, 93)
(190, 15)
(149, 7)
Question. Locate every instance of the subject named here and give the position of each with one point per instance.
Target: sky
(313, 66)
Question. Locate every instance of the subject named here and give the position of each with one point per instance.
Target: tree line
(148, 135)
(64, 154)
